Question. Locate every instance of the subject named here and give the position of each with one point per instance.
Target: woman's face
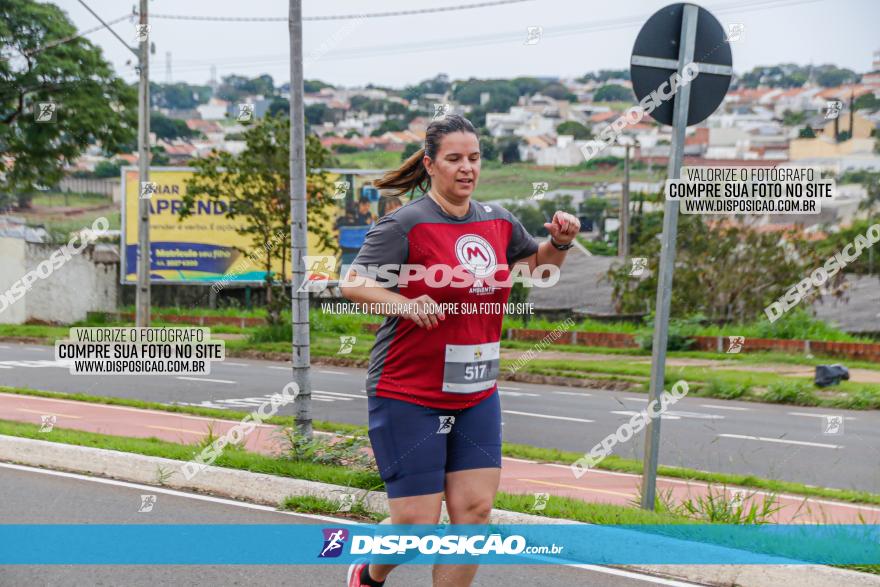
(456, 167)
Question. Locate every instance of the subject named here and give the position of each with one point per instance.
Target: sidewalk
(518, 476)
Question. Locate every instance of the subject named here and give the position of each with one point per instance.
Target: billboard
(206, 247)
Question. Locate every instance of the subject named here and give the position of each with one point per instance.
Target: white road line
(3, 346)
(322, 399)
(339, 394)
(547, 416)
(510, 388)
(264, 508)
(5, 367)
(280, 368)
(633, 575)
(233, 364)
(518, 393)
(208, 380)
(631, 413)
(573, 393)
(853, 506)
(331, 372)
(780, 440)
(332, 398)
(34, 349)
(162, 490)
(734, 408)
(806, 415)
(127, 409)
(637, 399)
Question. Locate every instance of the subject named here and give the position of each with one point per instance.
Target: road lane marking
(89, 405)
(42, 413)
(346, 395)
(510, 388)
(637, 399)
(332, 372)
(780, 440)
(630, 413)
(228, 382)
(274, 510)
(172, 429)
(581, 488)
(3, 346)
(281, 368)
(547, 416)
(34, 349)
(573, 393)
(233, 364)
(734, 408)
(518, 393)
(333, 398)
(154, 489)
(806, 415)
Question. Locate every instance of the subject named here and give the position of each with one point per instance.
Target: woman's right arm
(381, 300)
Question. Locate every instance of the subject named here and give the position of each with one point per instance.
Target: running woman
(434, 411)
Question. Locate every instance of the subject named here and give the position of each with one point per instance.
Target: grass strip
(521, 451)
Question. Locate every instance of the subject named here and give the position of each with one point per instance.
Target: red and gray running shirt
(456, 364)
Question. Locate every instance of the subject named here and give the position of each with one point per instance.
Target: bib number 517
(475, 372)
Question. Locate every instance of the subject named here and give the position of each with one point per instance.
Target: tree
(867, 101)
(389, 125)
(108, 168)
(572, 127)
(488, 150)
(169, 128)
(256, 184)
(531, 218)
(613, 93)
(727, 272)
(509, 147)
(558, 91)
(409, 150)
(92, 105)
(179, 96)
(807, 132)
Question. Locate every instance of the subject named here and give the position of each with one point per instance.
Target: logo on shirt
(476, 255)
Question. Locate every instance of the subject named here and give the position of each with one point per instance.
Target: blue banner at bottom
(278, 544)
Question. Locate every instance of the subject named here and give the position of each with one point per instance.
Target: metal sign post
(651, 61)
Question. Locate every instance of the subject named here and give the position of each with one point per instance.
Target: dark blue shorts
(415, 446)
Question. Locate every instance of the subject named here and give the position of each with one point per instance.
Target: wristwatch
(560, 247)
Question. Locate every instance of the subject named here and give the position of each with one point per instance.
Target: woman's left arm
(563, 229)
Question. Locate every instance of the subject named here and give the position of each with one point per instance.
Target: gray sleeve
(521, 243)
(385, 244)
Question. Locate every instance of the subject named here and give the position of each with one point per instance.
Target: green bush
(726, 389)
(791, 392)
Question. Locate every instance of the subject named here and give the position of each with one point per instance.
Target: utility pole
(667, 259)
(623, 230)
(298, 227)
(143, 256)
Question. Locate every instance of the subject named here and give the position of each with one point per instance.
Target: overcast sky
(578, 36)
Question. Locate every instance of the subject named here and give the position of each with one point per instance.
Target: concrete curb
(272, 490)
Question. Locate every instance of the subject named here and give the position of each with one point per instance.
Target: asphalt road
(775, 441)
(34, 496)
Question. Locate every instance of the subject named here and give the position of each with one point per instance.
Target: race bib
(470, 368)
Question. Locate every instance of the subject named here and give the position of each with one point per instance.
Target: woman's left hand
(563, 228)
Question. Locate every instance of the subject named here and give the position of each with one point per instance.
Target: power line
(107, 26)
(339, 16)
(61, 41)
(484, 39)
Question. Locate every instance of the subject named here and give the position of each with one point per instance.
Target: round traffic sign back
(655, 58)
